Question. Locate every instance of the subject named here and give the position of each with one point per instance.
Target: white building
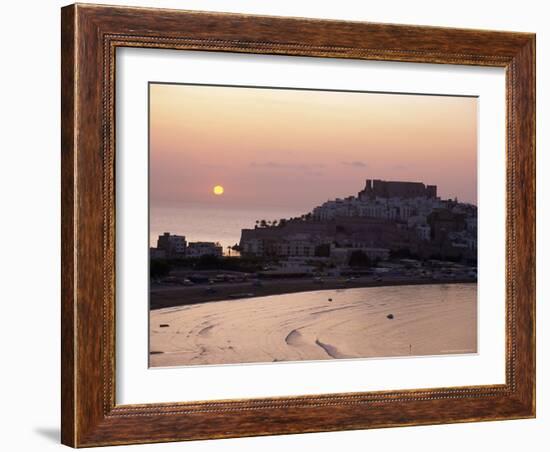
(384, 208)
(198, 249)
(300, 245)
(172, 245)
(253, 246)
(423, 231)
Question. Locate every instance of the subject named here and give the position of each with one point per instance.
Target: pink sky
(273, 148)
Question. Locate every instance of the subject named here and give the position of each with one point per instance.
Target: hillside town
(385, 219)
(391, 232)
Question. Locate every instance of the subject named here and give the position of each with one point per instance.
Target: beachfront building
(313, 238)
(199, 249)
(171, 245)
(293, 266)
(341, 254)
(299, 245)
(252, 247)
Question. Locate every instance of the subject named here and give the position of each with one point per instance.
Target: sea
(200, 223)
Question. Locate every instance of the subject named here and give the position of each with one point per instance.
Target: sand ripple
(429, 319)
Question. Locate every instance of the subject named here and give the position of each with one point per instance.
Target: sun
(218, 190)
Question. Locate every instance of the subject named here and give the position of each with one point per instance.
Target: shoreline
(170, 296)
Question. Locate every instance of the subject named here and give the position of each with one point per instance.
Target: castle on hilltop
(394, 189)
(392, 200)
(384, 217)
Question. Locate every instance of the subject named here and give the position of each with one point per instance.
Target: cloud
(355, 163)
(287, 166)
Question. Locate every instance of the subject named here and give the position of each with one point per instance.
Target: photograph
(291, 224)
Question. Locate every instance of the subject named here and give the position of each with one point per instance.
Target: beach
(165, 296)
(326, 323)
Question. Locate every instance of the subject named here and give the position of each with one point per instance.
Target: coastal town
(389, 233)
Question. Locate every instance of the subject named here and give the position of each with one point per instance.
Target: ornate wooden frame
(90, 35)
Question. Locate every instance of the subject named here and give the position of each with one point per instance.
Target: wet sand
(174, 295)
(320, 325)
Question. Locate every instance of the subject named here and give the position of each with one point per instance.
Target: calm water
(209, 224)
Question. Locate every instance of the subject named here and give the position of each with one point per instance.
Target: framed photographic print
(281, 225)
